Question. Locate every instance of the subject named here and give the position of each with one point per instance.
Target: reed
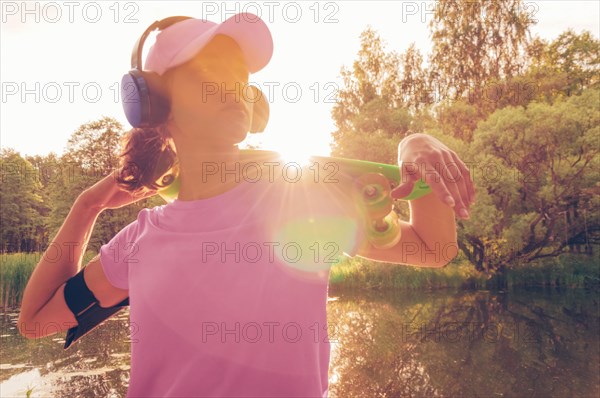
(15, 271)
(357, 273)
(566, 271)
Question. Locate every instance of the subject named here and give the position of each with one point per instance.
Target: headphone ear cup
(260, 110)
(134, 97)
(144, 102)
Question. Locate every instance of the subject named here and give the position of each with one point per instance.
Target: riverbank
(566, 271)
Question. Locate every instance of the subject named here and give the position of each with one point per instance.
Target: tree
(545, 162)
(475, 42)
(371, 115)
(458, 119)
(95, 145)
(415, 89)
(22, 206)
(522, 112)
(48, 171)
(579, 57)
(564, 67)
(92, 153)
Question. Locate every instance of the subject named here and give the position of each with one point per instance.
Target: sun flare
(296, 155)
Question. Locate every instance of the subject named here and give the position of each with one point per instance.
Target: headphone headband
(136, 54)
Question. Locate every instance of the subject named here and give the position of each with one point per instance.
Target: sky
(62, 63)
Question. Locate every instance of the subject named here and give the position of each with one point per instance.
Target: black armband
(86, 308)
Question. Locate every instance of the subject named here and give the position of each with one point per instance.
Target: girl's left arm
(62, 259)
(42, 298)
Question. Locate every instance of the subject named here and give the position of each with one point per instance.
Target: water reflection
(466, 344)
(95, 366)
(436, 344)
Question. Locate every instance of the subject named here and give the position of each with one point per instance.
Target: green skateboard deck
(329, 167)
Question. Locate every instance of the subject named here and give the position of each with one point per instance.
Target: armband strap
(86, 308)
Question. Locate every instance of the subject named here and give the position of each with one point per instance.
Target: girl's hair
(147, 154)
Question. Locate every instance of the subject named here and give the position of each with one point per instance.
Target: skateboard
(368, 185)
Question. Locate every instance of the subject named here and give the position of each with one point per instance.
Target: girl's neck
(208, 172)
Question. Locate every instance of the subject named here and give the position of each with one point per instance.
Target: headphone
(142, 96)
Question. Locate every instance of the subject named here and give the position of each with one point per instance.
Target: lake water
(524, 343)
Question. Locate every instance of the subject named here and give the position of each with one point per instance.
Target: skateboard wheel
(374, 195)
(385, 233)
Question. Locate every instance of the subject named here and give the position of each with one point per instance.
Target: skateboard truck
(383, 224)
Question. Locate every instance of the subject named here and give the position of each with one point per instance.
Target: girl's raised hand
(107, 194)
(421, 156)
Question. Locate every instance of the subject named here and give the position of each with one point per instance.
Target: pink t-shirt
(228, 294)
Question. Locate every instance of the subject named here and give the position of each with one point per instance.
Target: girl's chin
(235, 132)
(232, 137)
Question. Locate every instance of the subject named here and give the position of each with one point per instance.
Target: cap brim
(249, 32)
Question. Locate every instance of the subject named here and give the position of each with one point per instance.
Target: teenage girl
(228, 283)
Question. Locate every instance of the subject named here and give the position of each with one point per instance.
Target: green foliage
(566, 66)
(523, 114)
(535, 164)
(95, 145)
(458, 119)
(375, 147)
(22, 205)
(374, 110)
(475, 43)
(569, 270)
(37, 192)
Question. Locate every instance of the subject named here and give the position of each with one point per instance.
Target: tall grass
(357, 273)
(570, 270)
(15, 271)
